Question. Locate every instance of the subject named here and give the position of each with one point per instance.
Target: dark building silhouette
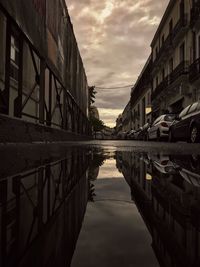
(42, 77)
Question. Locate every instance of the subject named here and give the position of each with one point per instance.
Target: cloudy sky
(114, 39)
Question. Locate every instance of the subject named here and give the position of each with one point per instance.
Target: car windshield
(146, 126)
(170, 117)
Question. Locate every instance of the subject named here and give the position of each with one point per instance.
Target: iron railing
(59, 109)
(182, 23)
(162, 86)
(181, 69)
(194, 70)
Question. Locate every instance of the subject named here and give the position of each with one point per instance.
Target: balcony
(194, 70)
(179, 27)
(195, 13)
(160, 88)
(181, 69)
(166, 45)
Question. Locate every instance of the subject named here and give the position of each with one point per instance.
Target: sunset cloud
(114, 38)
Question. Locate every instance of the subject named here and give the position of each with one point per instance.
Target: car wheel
(158, 135)
(171, 137)
(194, 134)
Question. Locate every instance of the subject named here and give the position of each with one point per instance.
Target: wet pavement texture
(100, 204)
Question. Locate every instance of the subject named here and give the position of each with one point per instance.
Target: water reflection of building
(41, 213)
(168, 203)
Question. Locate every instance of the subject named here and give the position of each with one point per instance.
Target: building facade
(194, 69)
(170, 80)
(141, 98)
(174, 55)
(42, 77)
(126, 118)
(118, 127)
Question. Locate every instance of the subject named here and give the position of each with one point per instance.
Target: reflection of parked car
(162, 163)
(187, 125)
(160, 127)
(143, 133)
(188, 167)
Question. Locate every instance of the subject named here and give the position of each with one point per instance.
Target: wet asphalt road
(113, 231)
(141, 146)
(19, 156)
(116, 230)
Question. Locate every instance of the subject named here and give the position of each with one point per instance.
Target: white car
(160, 127)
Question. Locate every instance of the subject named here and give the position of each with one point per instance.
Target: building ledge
(19, 131)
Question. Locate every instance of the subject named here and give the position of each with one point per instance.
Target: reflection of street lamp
(148, 177)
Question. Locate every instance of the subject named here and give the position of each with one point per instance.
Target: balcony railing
(160, 88)
(181, 69)
(194, 70)
(195, 13)
(166, 45)
(182, 23)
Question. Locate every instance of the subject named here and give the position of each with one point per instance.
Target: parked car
(137, 132)
(160, 127)
(186, 125)
(130, 134)
(144, 132)
(98, 135)
(122, 135)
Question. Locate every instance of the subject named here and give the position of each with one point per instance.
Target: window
(171, 65)
(182, 9)
(163, 74)
(182, 52)
(194, 45)
(170, 117)
(156, 81)
(138, 110)
(14, 58)
(170, 26)
(156, 52)
(193, 108)
(198, 108)
(149, 99)
(163, 39)
(157, 120)
(199, 46)
(184, 112)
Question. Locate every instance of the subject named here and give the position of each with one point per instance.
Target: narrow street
(99, 133)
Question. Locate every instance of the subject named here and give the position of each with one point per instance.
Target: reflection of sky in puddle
(109, 170)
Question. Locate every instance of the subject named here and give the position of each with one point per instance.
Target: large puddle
(99, 206)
